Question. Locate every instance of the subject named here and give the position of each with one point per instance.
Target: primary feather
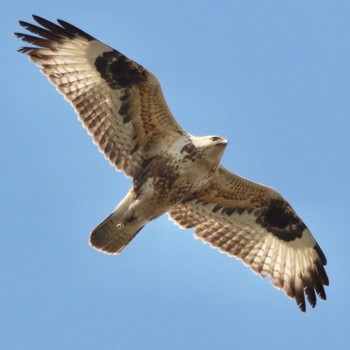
(121, 105)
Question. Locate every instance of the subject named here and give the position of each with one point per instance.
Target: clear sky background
(273, 77)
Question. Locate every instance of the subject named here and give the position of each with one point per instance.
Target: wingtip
(37, 18)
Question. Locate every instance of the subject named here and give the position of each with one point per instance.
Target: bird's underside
(122, 107)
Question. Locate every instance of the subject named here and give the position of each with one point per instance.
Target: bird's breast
(174, 175)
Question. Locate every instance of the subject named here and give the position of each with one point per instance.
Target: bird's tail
(114, 233)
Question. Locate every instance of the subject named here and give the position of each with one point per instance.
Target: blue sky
(273, 77)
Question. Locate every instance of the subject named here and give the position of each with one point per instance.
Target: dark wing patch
(118, 101)
(279, 219)
(256, 225)
(276, 216)
(118, 71)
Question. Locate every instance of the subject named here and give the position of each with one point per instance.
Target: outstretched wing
(118, 101)
(256, 225)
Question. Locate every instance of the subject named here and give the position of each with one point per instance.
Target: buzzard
(122, 107)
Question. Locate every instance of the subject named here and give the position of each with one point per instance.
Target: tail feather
(111, 236)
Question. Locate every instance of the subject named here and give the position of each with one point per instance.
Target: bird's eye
(216, 138)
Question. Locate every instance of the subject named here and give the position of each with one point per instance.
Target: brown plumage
(122, 107)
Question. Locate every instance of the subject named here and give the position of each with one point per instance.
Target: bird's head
(211, 146)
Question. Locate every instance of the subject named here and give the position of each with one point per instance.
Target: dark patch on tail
(130, 219)
(109, 236)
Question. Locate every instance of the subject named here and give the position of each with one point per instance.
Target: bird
(121, 105)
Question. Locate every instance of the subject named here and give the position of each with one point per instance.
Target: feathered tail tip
(111, 237)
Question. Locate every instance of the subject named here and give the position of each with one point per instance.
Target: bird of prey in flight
(122, 107)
